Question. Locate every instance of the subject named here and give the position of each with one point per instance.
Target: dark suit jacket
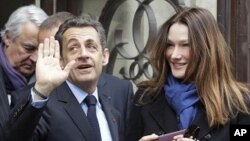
(4, 102)
(4, 105)
(63, 119)
(119, 93)
(159, 118)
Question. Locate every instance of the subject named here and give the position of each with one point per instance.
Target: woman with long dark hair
(194, 82)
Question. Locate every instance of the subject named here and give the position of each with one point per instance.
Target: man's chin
(87, 78)
(84, 79)
(27, 73)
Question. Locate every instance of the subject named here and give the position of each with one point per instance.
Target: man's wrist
(39, 93)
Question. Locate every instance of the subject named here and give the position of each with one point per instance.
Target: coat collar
(201, 121)
(104, 90)
(112, 115)
(163, 114)
(4, 105)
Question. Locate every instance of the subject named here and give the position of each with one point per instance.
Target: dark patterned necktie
(91, 116)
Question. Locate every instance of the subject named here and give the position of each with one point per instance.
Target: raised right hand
(49, 73)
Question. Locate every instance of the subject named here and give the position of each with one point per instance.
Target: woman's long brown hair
(210, 67)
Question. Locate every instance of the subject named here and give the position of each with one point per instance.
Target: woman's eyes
(169, 45)
(181, 45)
(185, 45)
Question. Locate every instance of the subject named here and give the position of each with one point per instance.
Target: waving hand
(49, 73)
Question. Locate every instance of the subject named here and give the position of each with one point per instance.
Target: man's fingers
(40, 50)
(50, 48)
(46, 47)
(52, 45)
(57, 50)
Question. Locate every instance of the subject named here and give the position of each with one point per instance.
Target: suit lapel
(4, 105)
(199, 120)
(74, 110)
(106, 93)
(162, 113)
(111, 114)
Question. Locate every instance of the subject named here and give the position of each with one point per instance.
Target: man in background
(18, 53)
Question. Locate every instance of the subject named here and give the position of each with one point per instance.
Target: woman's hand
(151, 137)
(181, 138)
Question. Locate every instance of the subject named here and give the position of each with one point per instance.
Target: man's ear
(6, 39)
(105, 57)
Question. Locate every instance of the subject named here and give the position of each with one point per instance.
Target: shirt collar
(80, 94)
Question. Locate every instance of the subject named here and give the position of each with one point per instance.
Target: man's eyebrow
(71, 40)
(30, 45)
(90, 41)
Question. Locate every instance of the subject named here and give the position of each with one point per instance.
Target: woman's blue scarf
(17, 80)
(182, 98)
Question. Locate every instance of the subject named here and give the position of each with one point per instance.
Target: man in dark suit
(56, 108)
(118, 92)
(18, 53)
